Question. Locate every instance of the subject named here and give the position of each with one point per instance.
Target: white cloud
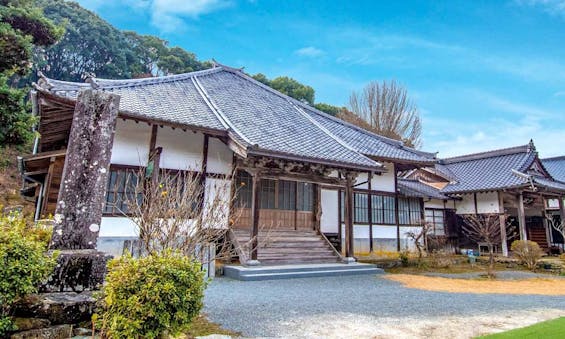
(527, 122)
(554, 7)
(310, 51)
(168, 15)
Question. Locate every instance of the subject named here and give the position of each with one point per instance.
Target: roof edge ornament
(43, 82)
(90, 78)
(216, 64)
(531, 146)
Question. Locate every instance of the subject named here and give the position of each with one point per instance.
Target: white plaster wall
(220, 157)
(181, 150)
(118, 227)
(329, 220)
(131, 143)
(361, 181)
(385, 181)
(216, 208)
(486, 203)
(434, 203)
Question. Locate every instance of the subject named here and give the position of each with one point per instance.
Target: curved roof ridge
(390, 141)
(329, 133)
(556, 158)
(487, 154)
(216, 110)
(120, 83)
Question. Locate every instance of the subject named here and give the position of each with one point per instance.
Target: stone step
(298, 271)
(296, 250)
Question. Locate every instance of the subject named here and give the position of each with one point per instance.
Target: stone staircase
(287, 246)
(298, 271)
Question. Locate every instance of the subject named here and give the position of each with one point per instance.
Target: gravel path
(361, 306)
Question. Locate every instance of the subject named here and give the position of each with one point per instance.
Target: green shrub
(528, 252)
(404, 257)
(23, 263)
(151, 296)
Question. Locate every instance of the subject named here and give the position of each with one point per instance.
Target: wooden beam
(47, 186)
(370, 210)
(476, 203)
(204, 169)
(349, 241)
(522, 217)
(396, 211)
(502, 216)
(255, 208)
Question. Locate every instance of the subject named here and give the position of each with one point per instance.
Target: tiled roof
(417, 189)
(555, 167)
(369, 143)
(265, 121)
(493, 170)
(489, 170)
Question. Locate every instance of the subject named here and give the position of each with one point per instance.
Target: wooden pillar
(370, 210)
(203, 170)
(255, 208)
(349, 240)
(502, 216)
(85, 175)
(396, 211)
(522, 217)
(561, 209)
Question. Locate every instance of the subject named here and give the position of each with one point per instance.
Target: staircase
(287, 246)
(538, 235)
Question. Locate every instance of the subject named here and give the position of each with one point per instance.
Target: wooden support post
(85, 175)
(370, 210)
(255, 208)
(349, 240)
(203, 171)
(502, 216)
(522, 217)
(396, 211)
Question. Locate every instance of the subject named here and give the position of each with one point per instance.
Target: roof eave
(338, 164)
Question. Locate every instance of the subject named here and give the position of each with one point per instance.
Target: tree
(557, 224)
(22, 26)
(293, 89)
(327, 108)
(484, 228)
(90, 45)
(419, 237)
(385, 106)
(288, 86)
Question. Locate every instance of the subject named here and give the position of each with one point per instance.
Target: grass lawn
(201, 326)
(547, 330)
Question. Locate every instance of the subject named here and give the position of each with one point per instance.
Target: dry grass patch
(528, 286)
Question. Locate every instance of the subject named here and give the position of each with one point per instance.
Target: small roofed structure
(512, 182)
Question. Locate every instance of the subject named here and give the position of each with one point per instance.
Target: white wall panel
(329, 221)
(131, 143)
(181, 150)
(385, 181)
(220, 157)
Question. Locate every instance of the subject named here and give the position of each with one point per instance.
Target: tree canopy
(388, 110)
(22, 26)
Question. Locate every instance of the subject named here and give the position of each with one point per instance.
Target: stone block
(25, 324)
(58, 308)
(54, 332)
(77, 271)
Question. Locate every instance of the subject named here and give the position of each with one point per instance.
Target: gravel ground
(366, 306)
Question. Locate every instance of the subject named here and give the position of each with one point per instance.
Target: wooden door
(284, 204)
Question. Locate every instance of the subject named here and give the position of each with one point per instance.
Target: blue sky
(484, 74)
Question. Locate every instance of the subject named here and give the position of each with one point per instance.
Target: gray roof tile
(555, 167)
(489, 170)
(370, 143)
(493, 170)
(417, 189)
